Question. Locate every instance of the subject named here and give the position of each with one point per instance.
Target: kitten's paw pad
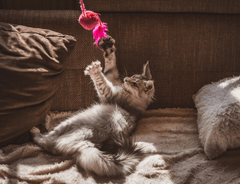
(34, 130)
(107, 44)
(94, 68)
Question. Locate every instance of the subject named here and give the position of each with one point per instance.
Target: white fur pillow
(218, 108)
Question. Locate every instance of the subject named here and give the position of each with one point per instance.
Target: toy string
(83, 7)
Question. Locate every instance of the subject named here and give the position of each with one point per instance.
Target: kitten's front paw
(107, 44)
(94, 68)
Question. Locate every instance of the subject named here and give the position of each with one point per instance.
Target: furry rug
(170, 136)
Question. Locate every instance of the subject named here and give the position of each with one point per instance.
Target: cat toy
(90, 20)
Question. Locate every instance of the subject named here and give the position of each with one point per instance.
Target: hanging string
(82, 6)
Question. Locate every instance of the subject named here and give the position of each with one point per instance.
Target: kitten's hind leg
(110, 68)
(36, 134)
(42, 141)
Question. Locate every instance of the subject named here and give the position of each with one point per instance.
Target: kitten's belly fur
(90, 127)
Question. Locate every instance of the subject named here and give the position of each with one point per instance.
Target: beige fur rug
(175, 156)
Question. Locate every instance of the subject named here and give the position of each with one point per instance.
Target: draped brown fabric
(185, 51)
(32, 61)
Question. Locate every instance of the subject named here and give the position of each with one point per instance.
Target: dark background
(189, 43)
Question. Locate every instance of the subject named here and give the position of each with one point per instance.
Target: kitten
(99, 138)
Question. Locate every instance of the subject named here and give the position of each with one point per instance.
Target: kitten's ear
(146, 71)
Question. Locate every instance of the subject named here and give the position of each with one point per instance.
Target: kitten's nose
(127, 79)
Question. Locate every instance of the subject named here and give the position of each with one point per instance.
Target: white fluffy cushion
(218, 108)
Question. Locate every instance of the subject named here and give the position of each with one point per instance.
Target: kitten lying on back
(99, 138)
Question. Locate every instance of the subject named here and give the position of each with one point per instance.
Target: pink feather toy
(90, 20)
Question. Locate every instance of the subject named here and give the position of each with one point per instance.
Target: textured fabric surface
(170, 136)
(195, 6)
(185, 51)
(218, 107)
(32, 61)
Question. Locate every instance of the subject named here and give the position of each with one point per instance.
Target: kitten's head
(140, 87)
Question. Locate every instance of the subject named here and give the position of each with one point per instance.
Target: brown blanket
(170, 136)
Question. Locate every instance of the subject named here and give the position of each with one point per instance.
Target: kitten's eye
(135, 84)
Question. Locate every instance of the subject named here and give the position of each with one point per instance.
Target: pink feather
(99, 32)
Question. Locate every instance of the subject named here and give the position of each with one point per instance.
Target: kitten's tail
(121, 163)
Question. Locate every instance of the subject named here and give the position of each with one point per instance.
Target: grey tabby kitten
(99, 138)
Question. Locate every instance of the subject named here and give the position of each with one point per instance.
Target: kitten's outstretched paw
(34, 130)
(107, 44)
(94, 68)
